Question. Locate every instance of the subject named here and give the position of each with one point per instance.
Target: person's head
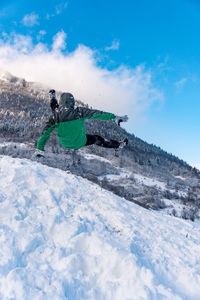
(67, 100)
(52, 94)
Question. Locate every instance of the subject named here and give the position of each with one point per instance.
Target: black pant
(100, 141)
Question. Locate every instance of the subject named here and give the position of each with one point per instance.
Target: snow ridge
(63, 237)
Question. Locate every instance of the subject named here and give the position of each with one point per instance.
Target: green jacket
(70, 127)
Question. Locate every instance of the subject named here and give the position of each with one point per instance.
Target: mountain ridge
(24, 109)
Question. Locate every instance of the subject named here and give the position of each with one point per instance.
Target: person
(68, 122)
(53, 101)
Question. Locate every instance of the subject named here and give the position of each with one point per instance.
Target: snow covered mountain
(142, 173)
(74, 240)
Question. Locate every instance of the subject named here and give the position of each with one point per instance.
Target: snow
(8, 78)
(5, 76)
(21, 146)
(112, 177)
(63, 237)
(89, 156)
(180, 177)
(150, 181)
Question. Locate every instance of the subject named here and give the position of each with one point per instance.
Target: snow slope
(62, 237)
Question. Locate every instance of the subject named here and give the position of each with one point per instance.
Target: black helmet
(67, 100)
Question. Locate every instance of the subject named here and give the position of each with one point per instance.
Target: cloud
(59, 41)
(18, 42)
(181, 83)
(40, 35)
(114, 46)
(42, 32)
(30, 20)
(122, 91)
(59, 8)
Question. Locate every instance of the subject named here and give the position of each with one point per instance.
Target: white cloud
(114, 46)
(59, 8)
(181, 83)
(121, 91)
(59, 41)
(18, 42)
(41, 35)
(30, 20)
(42, 32)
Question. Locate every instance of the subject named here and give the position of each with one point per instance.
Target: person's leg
(91, 139)
(100, 141)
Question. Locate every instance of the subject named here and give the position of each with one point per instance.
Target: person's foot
(123, 143)
(39, 153)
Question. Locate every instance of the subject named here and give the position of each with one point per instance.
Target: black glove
(118, 119)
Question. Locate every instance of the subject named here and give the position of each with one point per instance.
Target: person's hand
(118, 119)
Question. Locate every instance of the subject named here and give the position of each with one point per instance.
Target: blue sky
(154, 42)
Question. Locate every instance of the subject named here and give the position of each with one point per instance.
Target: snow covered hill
(151, 177)
(63, 237)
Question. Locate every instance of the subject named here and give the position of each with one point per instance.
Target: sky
(139, 58)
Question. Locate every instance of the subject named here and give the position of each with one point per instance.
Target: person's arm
(50, 126)
(101, 115)
(94, 114)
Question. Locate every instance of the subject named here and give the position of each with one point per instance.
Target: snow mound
(62, 237)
